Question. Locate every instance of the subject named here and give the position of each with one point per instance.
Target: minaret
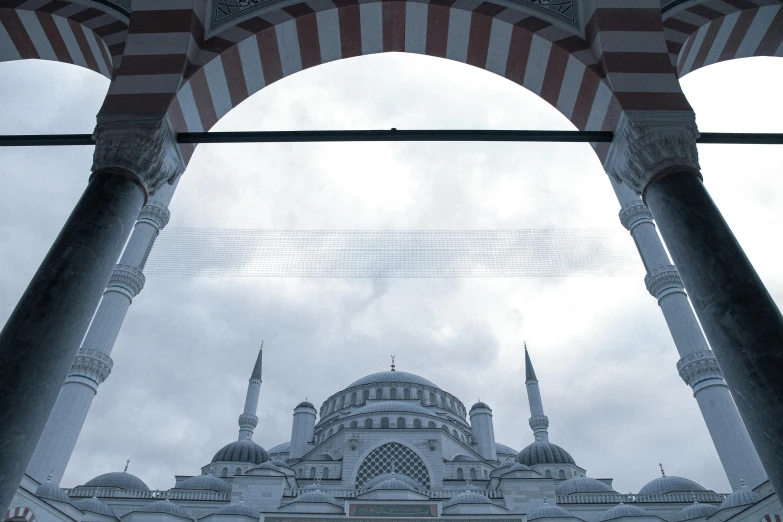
(483, 430)
(248, 420)
(538, 421)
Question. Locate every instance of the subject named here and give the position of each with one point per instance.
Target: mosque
(391, 446)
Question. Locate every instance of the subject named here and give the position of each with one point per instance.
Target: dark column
(39, 342)
(741, 321)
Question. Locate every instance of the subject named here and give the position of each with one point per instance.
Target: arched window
(379, 393)
(393, 393)
(238, 471)
(368, 423)
(312, 473)
(354, 424)
(400, 422)
(431, 424)
(561, 474)
(393, 457)
(420, 396)
(473, 474)
(417, 424)
(451, 405)
(486, 475)
(224, 472)
(456, 435)
(342, 402)
(341, 427)
(365, 396)
(331, 432)
(406, 394)
(548, 474)
(460, 474)
(325, 473)
(384, 422)
(442, 402)
(432, 399)
(445, 428)
(353, 398)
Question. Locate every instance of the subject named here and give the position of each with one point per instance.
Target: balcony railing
(211, 496)
(442, 494)
(616, 498)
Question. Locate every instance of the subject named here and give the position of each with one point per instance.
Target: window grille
(368, 423)
(393, 458)
(406, 394)
(384, 422)
(417, 424)
(460, 474)
(400, 422)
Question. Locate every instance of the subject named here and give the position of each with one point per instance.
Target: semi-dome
(548, 511)
(206, 482)
(502, 449)
(468, 496)
(744, 496)
(397, 377)
(49, 491)
(392, 406)
(624, 510)
(370, 484)
(670, 484)
(280, 448)
(696, 510)
(238, 508)
(392, 483)
(119, 480)
(164, 506)
(582, 485)
(244, 450)
(94, 505)
(316, 496)
(541, 452)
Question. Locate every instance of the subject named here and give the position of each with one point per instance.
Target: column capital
(635, 213)
(146, 150)
(90, 367)
(663, 281)
(700, 368)
(649, 142)
(156, 214)
(127, 280)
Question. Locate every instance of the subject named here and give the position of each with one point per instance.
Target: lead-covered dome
(205, 482)
(164, 506)
(49, 491)
(94, 505)
(548, 511)
(119, 480)
(541, 452)
(576, 485)
(392, 406)
(670, 484)
(624, 510)
(397, 377)
(316, 496)
(744, 496)
(468, 496)
(244, 450)
(696, 510)
(238, 508)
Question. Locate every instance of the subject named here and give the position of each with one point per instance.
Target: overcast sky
(604, 357)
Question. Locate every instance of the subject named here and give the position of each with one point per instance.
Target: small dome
(244, 450)
(164, 506)
(744, 496)
(119, 480)
(305, 404)
(462, 458)
(206, 482)
(370, 484)
(392, 406)
(323, 457)
(280, 448)
(393, 483)
(94, 505)
(238, 508)
(398, 377)
(317, 496)
(541, 452)
(502, 449)
(479, 405)
(269, 465)
(469, 496)
(696, 510)
(49, 491)
(582, 485)
(549, 511)
(670, 484)
(624, 510)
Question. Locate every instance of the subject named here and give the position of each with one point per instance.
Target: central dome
(398, 377)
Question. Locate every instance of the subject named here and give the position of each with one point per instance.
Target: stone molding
(147, 150)
(90, 364)
(156, 214)
(635, 213)
(248, 422)
(663, 281)
(539, 423)
(697, 367)
(648, 142)
(127, 278)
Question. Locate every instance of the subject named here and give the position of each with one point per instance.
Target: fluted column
(40, 340)
(654, 154)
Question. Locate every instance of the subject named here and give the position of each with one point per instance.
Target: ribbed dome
(49, 491)
(670, 484)
(94, 505)
(370, 484)
(548, 511)
(206, 482)
(280, 448)
(582, 485)
(316, 496)
(541, 452)
(744, 496)
(118, 479)
(244, 450)
(467, 497)
(398, 377)
(164, 506)
(624, 510)
(238, 508)
(479, 405)
(696, 510)
(502, 449)
(393, 483)
(392, 406)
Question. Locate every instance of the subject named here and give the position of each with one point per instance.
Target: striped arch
(720, 30)
(61, 31)
(514, 45)
(19, 513)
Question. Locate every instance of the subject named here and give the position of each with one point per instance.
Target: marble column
(654, 153)
(40, 340)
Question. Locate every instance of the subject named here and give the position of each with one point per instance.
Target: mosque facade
(390, 447)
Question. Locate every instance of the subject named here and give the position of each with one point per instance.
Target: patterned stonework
(156, 214)
(127, 278)
(248, 422)
(663, 281)
(91, 364)
(539, 423)
(635, 213)
(698, 367)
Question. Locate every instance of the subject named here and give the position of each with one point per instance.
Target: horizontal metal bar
(27, 140)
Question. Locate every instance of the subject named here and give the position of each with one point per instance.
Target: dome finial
(742, 483)
(392, 366)
(127, 462)
(662, 471)
(545, 502)
(693, 496)
(49, 478)
(242, 495)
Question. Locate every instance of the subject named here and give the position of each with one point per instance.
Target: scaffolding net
(582, 252)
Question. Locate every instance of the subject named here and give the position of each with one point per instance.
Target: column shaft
(739, 317)
(41, 337)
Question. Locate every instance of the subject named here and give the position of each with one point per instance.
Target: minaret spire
(248, 420)
(538, 421)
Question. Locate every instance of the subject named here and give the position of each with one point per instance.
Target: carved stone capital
(248, 422)
(156, 214)
(648, 142)
(663, 281)
(90, 367)
(698, 367)
(635, 213)
(539, 423)
(127, 279)
(147, 150)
